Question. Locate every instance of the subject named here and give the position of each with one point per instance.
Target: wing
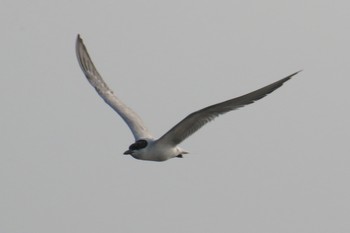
(198, 119)
(130, 117)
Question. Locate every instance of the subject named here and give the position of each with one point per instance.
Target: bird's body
(146, 147)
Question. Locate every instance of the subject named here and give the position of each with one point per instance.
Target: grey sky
(279, 165)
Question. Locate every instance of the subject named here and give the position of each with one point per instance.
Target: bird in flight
(147, 147)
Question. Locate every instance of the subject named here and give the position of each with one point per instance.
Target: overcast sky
(278, 165)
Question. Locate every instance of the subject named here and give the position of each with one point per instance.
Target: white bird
(146, 147)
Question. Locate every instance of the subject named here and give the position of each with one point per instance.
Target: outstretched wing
(198, 119)
(130, 117)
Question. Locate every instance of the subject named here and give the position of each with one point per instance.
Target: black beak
(128, 152)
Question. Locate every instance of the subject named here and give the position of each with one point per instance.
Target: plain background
(279, 165)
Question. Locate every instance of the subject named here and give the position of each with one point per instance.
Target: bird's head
(136, 147)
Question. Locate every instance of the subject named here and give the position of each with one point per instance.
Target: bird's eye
(138, 145)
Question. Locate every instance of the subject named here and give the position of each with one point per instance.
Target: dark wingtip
(294, 73)
(79, 38)
(288, 78)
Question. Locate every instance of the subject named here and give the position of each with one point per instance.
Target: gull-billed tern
(146, 147)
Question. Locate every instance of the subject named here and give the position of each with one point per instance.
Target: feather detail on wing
(130, 117)
(198, 119)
